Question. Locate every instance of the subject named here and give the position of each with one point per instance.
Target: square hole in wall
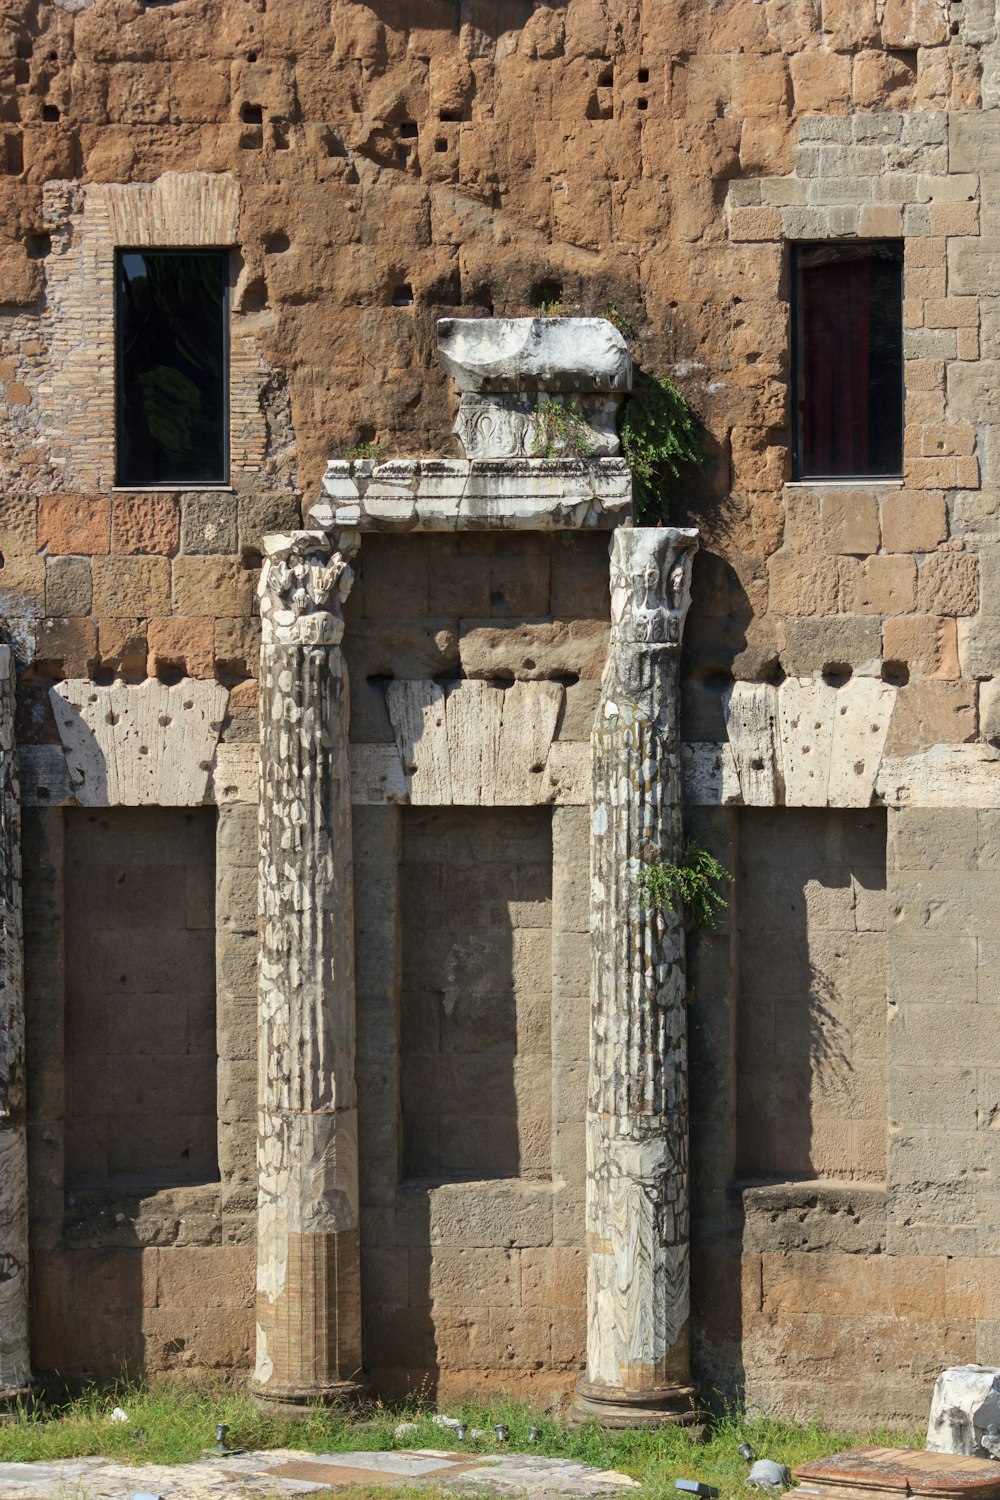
(475, 1029)
(140, 996)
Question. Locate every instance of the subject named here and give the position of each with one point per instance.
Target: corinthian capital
(651, 583)
(304, 583)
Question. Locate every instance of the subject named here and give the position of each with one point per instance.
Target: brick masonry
(370, 172)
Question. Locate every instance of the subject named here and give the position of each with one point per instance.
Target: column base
(295, 1400)
(665, 1405)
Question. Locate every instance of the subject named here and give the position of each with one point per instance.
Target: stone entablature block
(512, 372)
(543, 354)
(146, 745)
(445, 494)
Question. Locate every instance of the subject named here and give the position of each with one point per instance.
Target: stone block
(948, 584)
(814, 645)
(974, 267)
(208, 524)
(931, 713)
(484, 1214)
(184, 645)
(236, 836)
(73, 523)
(924, 644)
(259, 514)
(394, 580)
(122, 645)
(213, 1276)
(849, 521)
(954, 219)
(913, 522)
(755, 224)
(237, 644)
(554, 1277)
(69, 644)
(533, 650)
(211, 1338)
(236, 963)
(821, 82)
(464, 1278)
(803, 585)
(934, 839)
(145, 524)
(939, 1095)
(519, 586)
(135, 587)
(965, 1409)
(236, 898)
(882, 585)
(913, 23)
(211, 586)
(68, 586)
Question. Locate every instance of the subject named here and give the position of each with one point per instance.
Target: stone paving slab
(289, 1471)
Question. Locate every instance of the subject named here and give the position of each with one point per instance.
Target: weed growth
(695, 882)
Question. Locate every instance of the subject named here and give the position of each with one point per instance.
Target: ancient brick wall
(370, 169)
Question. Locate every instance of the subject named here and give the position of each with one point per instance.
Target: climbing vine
(560, 427)
(659, 435)
(696, 882)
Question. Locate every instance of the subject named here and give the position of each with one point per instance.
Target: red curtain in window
(836, 345)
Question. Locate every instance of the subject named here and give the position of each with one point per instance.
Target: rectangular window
(847, 360)
(172, 356)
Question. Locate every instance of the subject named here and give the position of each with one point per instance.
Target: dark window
(847, 360)
(172, 423)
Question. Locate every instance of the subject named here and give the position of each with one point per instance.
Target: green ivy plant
(560, 427)
(659, 434)
(695, 882)
(621, 322)
(365, 450)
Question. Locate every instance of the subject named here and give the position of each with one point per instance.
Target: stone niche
(139, 855)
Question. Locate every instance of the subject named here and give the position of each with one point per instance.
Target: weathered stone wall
(462, 1279)
(811, 1096)
(475, 1014)
(164, 1248)
(370, 170)
(140, 1012)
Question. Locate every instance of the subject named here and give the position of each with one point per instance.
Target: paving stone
(292, 1472)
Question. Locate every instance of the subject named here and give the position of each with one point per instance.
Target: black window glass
(848, 360)
(171, 327)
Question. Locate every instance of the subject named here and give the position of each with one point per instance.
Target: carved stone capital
(650, 584)
(304, 584)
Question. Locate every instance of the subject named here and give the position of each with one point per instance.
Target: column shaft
(15, 1360)
(308, 1255)
(638, 1368)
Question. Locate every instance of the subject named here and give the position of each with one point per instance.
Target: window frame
(796, 382)
(224, 252)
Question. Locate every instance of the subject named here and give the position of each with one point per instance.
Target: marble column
(308, 1255)
(638, 1366)
(15, 1361)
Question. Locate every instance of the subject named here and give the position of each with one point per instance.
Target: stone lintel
(544, 354)
(518, 494)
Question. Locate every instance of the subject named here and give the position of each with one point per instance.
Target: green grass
(174, 1423)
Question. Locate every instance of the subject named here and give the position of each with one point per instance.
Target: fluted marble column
(308, 1256)
(15, 1361)
(638, 1367)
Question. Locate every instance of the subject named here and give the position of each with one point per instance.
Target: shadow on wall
(714, 636)
(810, 909)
